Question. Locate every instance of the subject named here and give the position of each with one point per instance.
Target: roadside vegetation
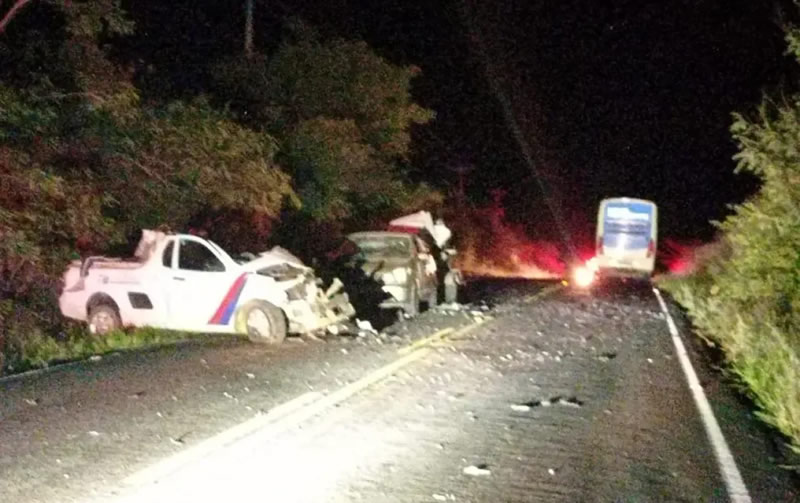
(39, 350)
(745, 298)
(314, 135)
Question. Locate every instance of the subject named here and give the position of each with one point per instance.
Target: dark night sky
(615, 98)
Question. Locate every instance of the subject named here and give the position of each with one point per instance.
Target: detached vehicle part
(184, 282)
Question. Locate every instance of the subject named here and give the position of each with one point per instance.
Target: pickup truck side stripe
(225, 310)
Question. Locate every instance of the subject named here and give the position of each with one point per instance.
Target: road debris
(366, 326)
(480, 470)
(557, 400)
(181, 439)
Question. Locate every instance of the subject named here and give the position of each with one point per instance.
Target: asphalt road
(561, 397)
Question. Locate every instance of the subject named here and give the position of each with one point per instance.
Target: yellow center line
(424, 341)
(542, 293)
(301, 408)
(452, 334)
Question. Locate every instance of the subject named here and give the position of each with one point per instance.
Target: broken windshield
(385, 247)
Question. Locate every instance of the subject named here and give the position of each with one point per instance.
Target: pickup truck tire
(103, 318)
(263, 322)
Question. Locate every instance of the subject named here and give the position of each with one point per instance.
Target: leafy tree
(84, 164)
(343, 116)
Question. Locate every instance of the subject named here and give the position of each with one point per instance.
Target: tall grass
(760, 353)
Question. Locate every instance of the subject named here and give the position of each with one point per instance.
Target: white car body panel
(196, 300)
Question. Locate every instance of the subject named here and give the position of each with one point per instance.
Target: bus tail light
(651, 248)
(599, 246)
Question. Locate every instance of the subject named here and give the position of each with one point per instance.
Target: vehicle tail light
(651, 248)
(599, 246)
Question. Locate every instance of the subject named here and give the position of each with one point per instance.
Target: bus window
(626, 236)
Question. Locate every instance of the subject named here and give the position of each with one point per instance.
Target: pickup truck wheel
(103, 318)
(264, 323)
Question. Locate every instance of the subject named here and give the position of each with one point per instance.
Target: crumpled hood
(277, 256)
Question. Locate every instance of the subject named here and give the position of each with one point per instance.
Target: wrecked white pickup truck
(184, 282)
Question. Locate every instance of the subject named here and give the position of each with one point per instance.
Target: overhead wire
(475, 35)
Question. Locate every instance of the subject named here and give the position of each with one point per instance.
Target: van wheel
(411, 309)
(433, 299)
(263, 323)
(103, 319)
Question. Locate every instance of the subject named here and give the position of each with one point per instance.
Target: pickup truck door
(200, 285)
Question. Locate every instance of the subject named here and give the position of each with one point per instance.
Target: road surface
(537, 395)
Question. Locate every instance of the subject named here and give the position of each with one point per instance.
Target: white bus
(626, 237)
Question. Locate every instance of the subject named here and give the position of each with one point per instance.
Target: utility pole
(248, 28)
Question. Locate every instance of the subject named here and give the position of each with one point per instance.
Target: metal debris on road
(181, 439)
(557, 400)
(477, 471)
(365, 325)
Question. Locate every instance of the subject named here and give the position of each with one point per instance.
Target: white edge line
(737, 491)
